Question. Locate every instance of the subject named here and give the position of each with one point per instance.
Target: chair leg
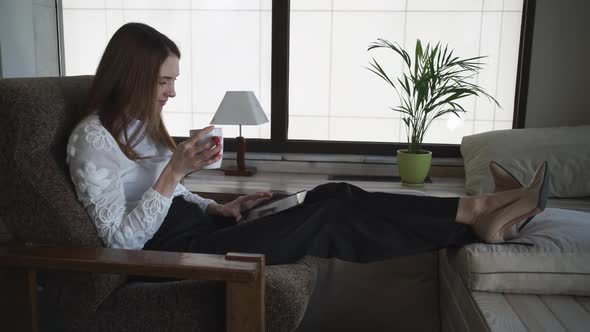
(18, 303)
(245, 308)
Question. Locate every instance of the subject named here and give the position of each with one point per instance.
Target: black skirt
(337, 220)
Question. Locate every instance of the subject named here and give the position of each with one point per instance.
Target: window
(323, 99)
(346, 102)
(224, 45)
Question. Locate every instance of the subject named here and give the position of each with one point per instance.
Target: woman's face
(169, 71)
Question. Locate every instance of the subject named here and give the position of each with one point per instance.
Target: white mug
(216, 132)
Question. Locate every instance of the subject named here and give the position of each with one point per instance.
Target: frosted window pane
(157, 4)
(309, 58)
(513, 5)
(471, 28)
(508, 65)
(265, 71)
(83, 47)
(225, 45)
(368, 130)
(500, 125)
(355, 90)
(201, 120)
(448, 129)
(493, 5)
(84, 4)
(377, 5)
(311, 5)
(301, 127)
(483, 126)
(459, 5)
(181, 122)
(227, 56)
(487, 78)
(118, 4)
(114, 19)
(229, 4)
(459, 30)
(266, 4)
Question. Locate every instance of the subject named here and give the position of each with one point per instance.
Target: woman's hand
(235, 208)
(187, 157)
(190, 156)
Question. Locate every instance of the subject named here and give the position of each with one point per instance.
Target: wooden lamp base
(235, 171)
(241, 169)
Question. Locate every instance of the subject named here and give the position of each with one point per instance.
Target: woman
(127, 172)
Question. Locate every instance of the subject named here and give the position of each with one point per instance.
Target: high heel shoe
(504, 180)
(504, 209)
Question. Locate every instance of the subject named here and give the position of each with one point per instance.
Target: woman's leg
(184, 223)
(346, 222)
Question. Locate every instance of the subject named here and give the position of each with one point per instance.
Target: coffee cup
(216, 135)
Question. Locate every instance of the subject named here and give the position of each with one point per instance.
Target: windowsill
(336, 158)
(338, 164)
(289, 173)
(215, 182)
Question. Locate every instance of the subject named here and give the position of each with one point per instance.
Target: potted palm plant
(429, 87)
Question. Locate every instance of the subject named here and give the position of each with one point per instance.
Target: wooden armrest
(243, 274)
(133, 262)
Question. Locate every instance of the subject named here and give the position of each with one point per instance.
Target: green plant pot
(413, 168)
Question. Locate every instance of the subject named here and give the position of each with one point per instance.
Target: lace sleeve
(95, 162)
(193, 198)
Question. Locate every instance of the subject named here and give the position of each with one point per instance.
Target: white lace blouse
(118, 192)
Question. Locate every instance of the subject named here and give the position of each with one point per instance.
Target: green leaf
(432, 86)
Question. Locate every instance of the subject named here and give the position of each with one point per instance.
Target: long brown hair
(125, 86)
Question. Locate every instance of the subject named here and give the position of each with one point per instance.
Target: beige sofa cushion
(566, 150)
(557, 263)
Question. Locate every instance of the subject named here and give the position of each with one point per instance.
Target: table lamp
(239, 108)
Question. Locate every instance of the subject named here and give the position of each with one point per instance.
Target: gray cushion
(566, 150)
(557, 263)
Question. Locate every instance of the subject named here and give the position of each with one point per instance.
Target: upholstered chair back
(38, 202)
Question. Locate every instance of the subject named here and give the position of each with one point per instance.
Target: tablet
(273, 207)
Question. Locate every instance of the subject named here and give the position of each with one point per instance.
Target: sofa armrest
(133, 262)
(243, 274)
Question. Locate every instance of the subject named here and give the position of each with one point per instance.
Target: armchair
(58, 276)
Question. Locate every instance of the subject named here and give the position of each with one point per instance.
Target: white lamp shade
(239, 108)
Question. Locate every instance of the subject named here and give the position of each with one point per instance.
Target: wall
(28, 44)
(560, 75)
(1, 58)
(16, 34)
(28, 38)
